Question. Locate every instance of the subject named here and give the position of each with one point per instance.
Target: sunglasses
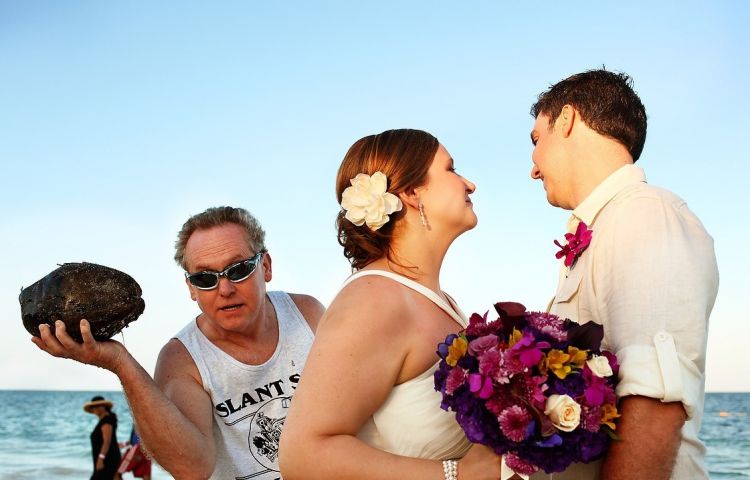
(236, 272)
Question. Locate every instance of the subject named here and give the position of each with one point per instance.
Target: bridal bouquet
(531, 386)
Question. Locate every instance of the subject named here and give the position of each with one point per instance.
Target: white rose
(367, 201)
(599, 366)
(563, 412)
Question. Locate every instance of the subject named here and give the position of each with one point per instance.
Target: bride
(366, 407)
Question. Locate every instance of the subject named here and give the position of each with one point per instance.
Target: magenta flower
(597, 392)
(612, 362)
(536, 386)
(577, 243)
(527, 351)
(514, 422)
(490, 363)
(456, 378)
(480, 385)
(519, 466)
(591, 418)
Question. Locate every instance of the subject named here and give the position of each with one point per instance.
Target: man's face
(549, 161)
(230, 306)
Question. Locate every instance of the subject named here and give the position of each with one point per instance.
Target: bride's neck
(416, 255)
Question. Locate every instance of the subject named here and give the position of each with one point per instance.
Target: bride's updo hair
(404, 156)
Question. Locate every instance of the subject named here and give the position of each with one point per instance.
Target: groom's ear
(568, 116)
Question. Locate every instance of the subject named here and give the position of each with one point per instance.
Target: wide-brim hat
(97, 401)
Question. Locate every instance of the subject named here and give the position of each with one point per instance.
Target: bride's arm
(360, 347)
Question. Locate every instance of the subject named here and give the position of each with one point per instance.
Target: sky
(119, 120)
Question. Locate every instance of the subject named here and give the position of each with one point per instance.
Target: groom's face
(548, 162)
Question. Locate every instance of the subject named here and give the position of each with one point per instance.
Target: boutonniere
(577, 243)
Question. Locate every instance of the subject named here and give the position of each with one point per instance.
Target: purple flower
(442, 349)
(514, 422)
(480, 345)
(573, 385)
(547, 324)
(551, 441)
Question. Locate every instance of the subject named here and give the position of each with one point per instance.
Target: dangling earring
(421, 215)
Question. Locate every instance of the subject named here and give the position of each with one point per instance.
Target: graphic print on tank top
(259, 415)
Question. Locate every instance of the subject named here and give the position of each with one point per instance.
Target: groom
(649, 274)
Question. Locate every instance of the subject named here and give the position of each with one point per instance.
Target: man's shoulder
(175, 359)
(309, 306)
(646, 192)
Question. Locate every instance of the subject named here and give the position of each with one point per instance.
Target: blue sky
(121, 119)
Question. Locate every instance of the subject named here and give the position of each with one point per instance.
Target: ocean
(46, 434)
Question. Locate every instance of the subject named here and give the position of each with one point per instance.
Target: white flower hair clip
(367, 201)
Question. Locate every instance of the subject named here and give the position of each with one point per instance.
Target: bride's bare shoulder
(371, 298)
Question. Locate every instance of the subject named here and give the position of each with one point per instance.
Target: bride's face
(445, 196)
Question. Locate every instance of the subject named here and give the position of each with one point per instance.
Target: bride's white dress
(410, 422)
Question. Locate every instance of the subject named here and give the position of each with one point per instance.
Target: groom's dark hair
(606, 102)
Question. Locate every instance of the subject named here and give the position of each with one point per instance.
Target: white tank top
(251, 401)
(410, 422)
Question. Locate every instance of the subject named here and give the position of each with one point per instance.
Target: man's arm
(173, 413)
(650, 436)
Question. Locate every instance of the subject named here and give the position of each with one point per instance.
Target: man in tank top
(222, 386)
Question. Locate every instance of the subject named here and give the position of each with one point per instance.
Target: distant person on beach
(105, 453)
(135, 459)
(222, 386)
(637, 261)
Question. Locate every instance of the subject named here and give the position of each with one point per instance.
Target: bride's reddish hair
(404, 156)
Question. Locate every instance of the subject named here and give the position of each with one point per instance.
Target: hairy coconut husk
(109, 299)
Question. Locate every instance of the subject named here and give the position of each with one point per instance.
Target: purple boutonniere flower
(577, 243)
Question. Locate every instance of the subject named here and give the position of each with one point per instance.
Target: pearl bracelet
(102, 456)
(450, 469)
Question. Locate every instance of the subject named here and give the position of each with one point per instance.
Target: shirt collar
(590, 207)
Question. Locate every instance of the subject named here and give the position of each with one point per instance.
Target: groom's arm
(658, 284)
(650, 436)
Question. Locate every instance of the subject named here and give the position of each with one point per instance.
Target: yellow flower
(542, 366)
(514, 337)
(556, 361)
(456, 350)
(609, 413)
(577, 357)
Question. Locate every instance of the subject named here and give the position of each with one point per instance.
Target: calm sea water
(46, 434)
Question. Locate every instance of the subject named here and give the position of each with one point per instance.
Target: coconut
(109, 299)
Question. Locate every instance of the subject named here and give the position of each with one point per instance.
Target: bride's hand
(479, 464)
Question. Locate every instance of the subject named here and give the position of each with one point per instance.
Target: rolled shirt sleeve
(658, 281)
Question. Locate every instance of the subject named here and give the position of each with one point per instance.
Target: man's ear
(568, 116)
(191, 289)
(267, 270)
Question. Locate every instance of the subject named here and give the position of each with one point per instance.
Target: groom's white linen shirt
(650, 278)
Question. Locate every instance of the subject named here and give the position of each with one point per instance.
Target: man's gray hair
(214, 217)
